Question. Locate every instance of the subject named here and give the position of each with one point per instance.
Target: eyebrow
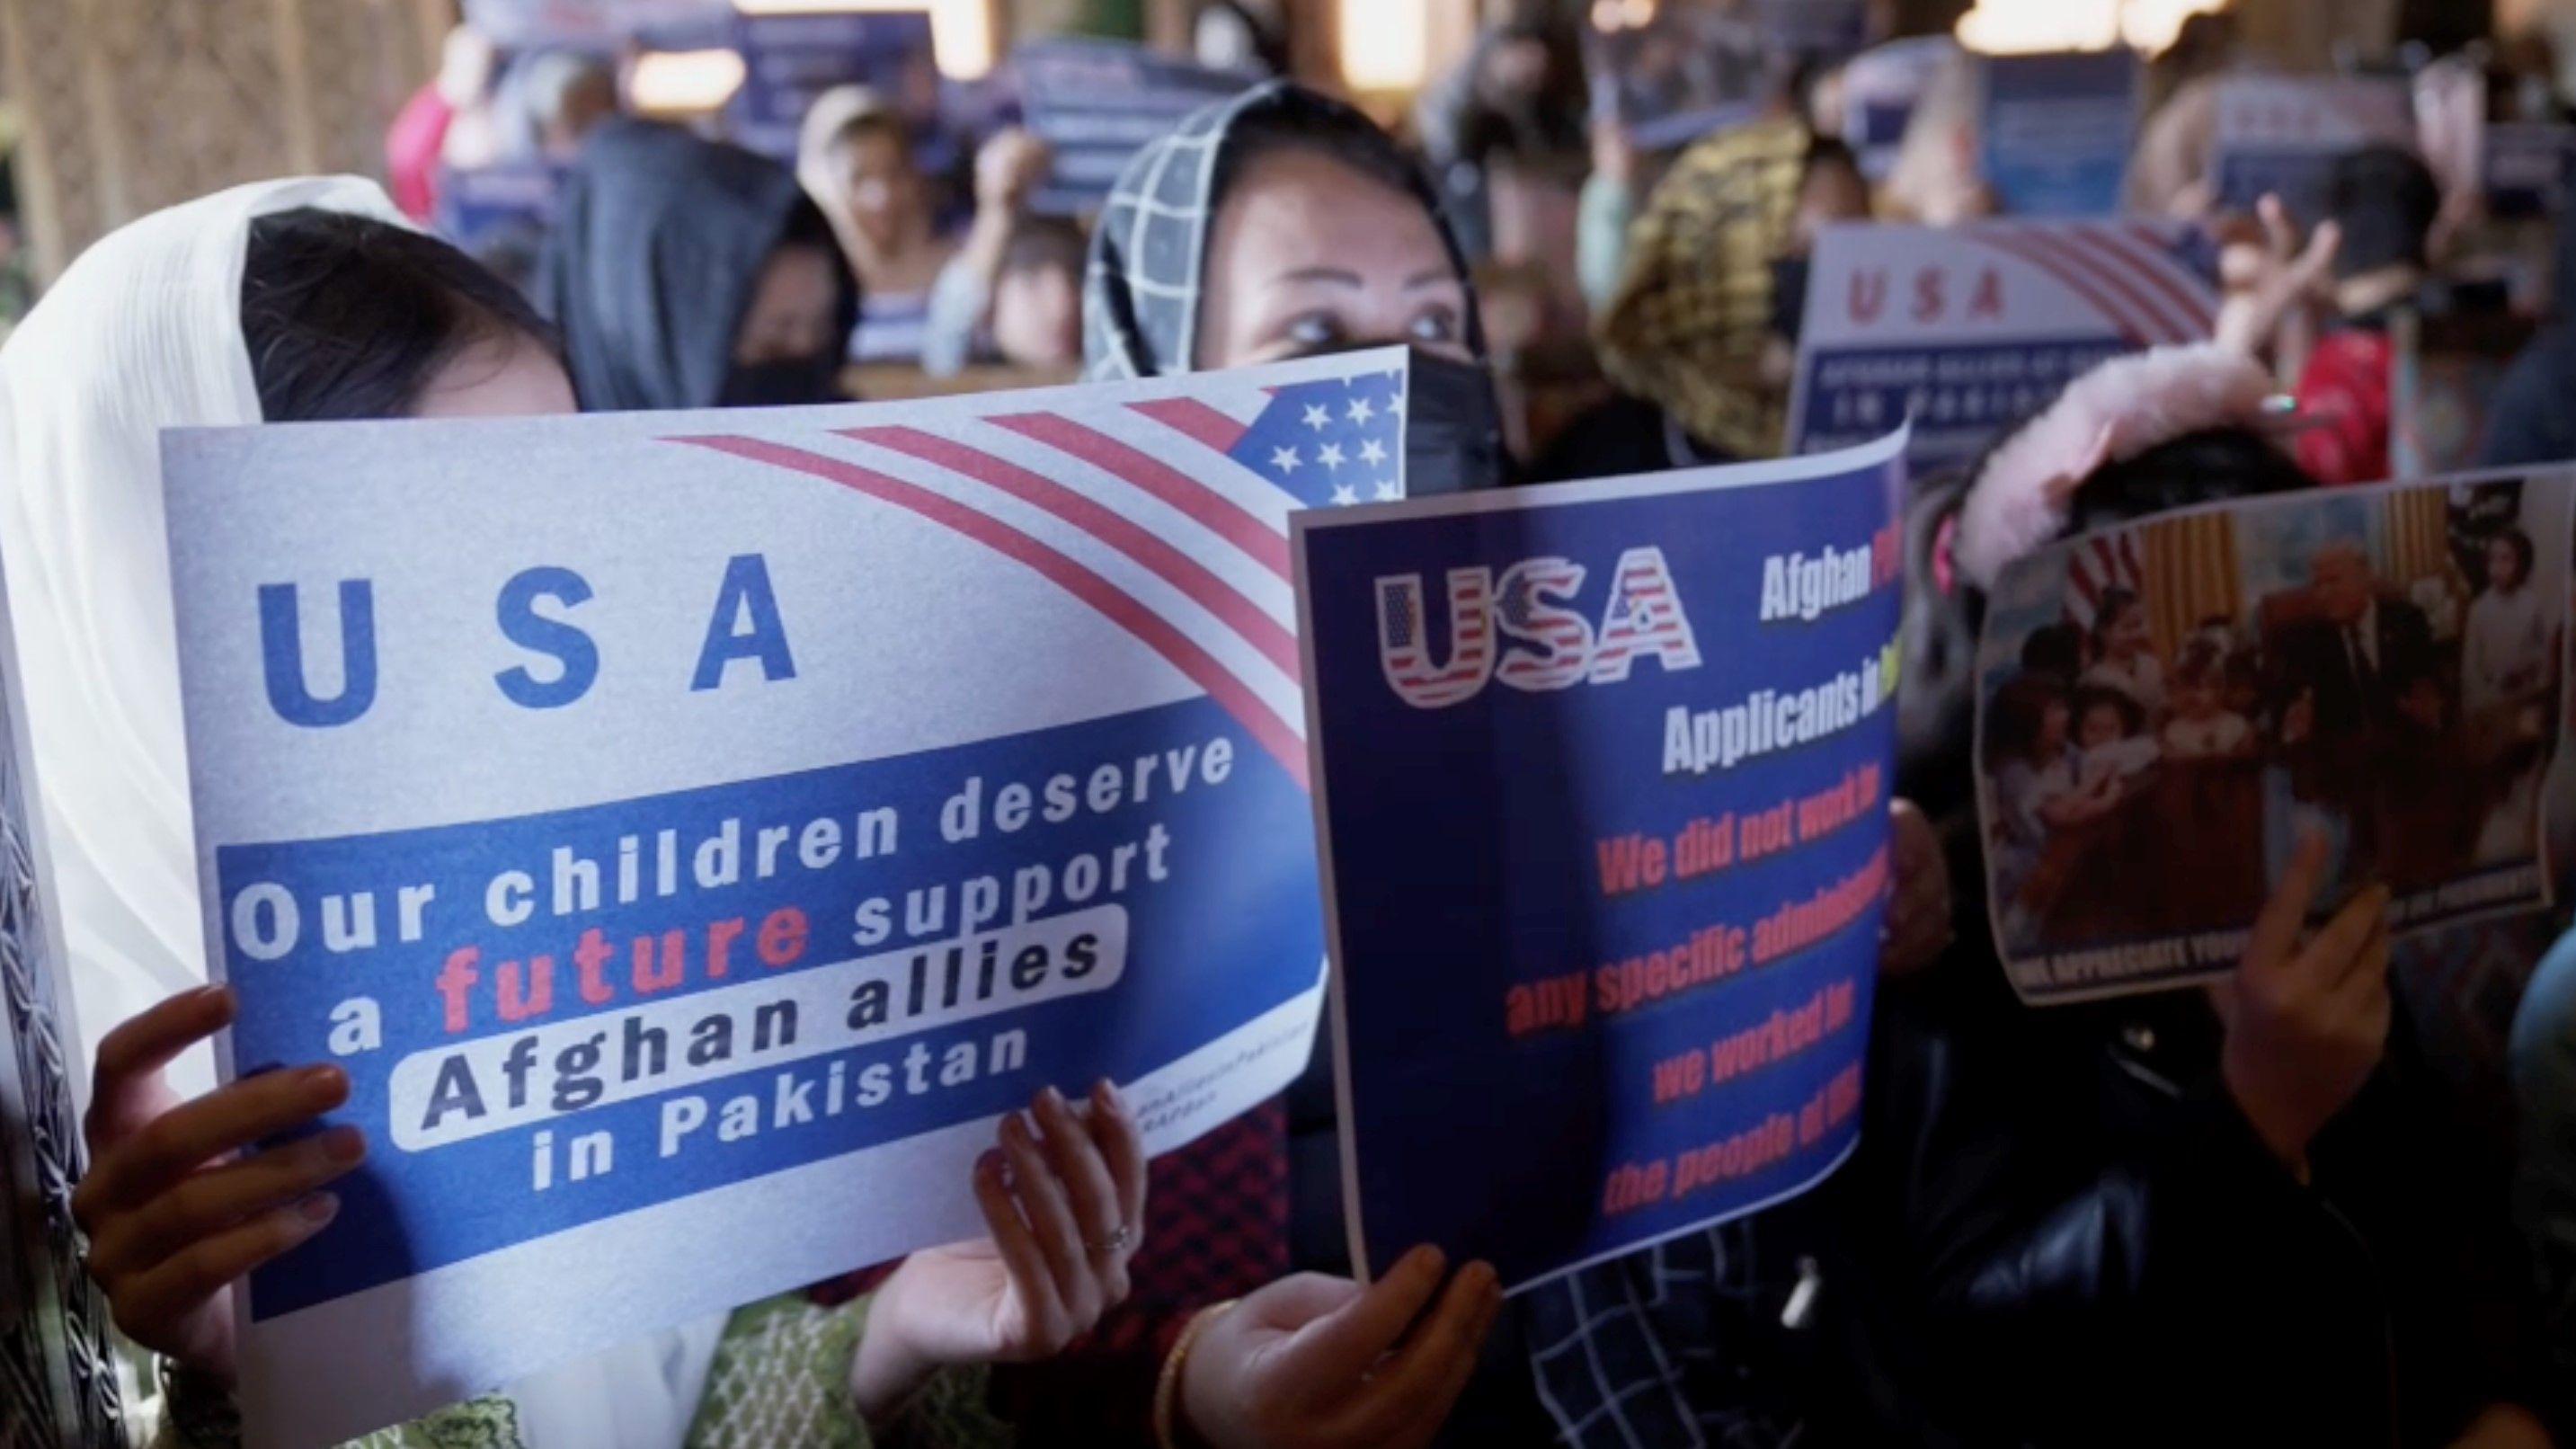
(1338, 276)
(1432, 278)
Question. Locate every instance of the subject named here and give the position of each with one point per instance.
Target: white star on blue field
(1332, 442)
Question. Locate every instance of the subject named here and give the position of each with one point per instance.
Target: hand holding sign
(1063, 1210)
(174, 1218)
(1918, 912)
(2306, 1023)
(1312, 1362)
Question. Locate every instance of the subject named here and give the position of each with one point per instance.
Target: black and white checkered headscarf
(1140, 302)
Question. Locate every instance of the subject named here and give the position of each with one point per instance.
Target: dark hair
(2214, 465)
(2055, 649)
(1826, 153)
(2014, 720)
(2386, 200)
(882, 121)
(1336, 132)
(349, 317)
(2091, 697)
(2523, 554)
(1039, 242)
(2203, 663)
(2116, 601)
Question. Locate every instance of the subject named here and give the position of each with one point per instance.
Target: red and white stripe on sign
(1140, 511)
(2098, 566)
(2124, 270)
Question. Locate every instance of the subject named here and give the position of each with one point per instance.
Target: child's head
(2420, 699)
(2385, 199)
(2028, 721)
(1037, 297)
(2120, 626)
(2200, 681)
(2104, 716)
(2509, 556)
(2244, 683)
(2054, 649)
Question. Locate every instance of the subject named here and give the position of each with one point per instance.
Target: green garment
(779, 1380)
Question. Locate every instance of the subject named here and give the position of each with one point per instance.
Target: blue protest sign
(1601, 777)
(1684, 74)
(2058, 131)
(1881, 87)
(506, 206)
(690, 830)
(2281, 134)
(789, 59)
(1968, 329)
(597, 24)
(1098, 102)
(2526, 165)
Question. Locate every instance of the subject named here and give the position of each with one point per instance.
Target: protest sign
(2281, 134)
(692, 829)
(2058, 131)
(1881, 87)
(2165, 708)
(790, 59)
(1817, 30)
(499, 210)
(58, 1380)
(1601, 778)
(1689, 71)
(598, 24)
(1969, 329)
(2525, 167)
(1098, 102)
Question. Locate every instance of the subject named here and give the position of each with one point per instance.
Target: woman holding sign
(1282, 224)
(2234, 1216)
(309, 301)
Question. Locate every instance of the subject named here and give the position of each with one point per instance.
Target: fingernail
(1115, 1099)
(318, 1209)
(322, 1079)
(344, 1144)
(989, 1162)
(1054, 1098)
(1426, 1259)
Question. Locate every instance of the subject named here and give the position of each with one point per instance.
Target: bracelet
(1167, 1387)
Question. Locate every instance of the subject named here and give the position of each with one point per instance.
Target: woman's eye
(1314, 329)
(1439, 324)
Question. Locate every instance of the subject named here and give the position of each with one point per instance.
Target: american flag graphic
(1169, 516)
(1404, 638)
(2158, 287)
(2098, 566)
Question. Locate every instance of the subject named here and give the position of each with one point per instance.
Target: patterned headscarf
(1140, 300)
(1693, 314)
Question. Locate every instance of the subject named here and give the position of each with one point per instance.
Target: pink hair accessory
(2125, 407)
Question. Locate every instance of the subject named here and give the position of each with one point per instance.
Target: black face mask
(1453, 433)
(801, 380)
(1789, 296)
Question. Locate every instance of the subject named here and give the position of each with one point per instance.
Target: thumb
(1339, 1347)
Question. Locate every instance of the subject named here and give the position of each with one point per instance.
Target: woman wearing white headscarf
(309, 300)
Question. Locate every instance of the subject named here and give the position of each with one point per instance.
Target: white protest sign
(1969, 329)
(690, 831)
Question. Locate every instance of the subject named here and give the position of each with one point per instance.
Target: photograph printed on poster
(2166, 708)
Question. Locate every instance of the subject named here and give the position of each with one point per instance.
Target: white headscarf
(143, 333)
